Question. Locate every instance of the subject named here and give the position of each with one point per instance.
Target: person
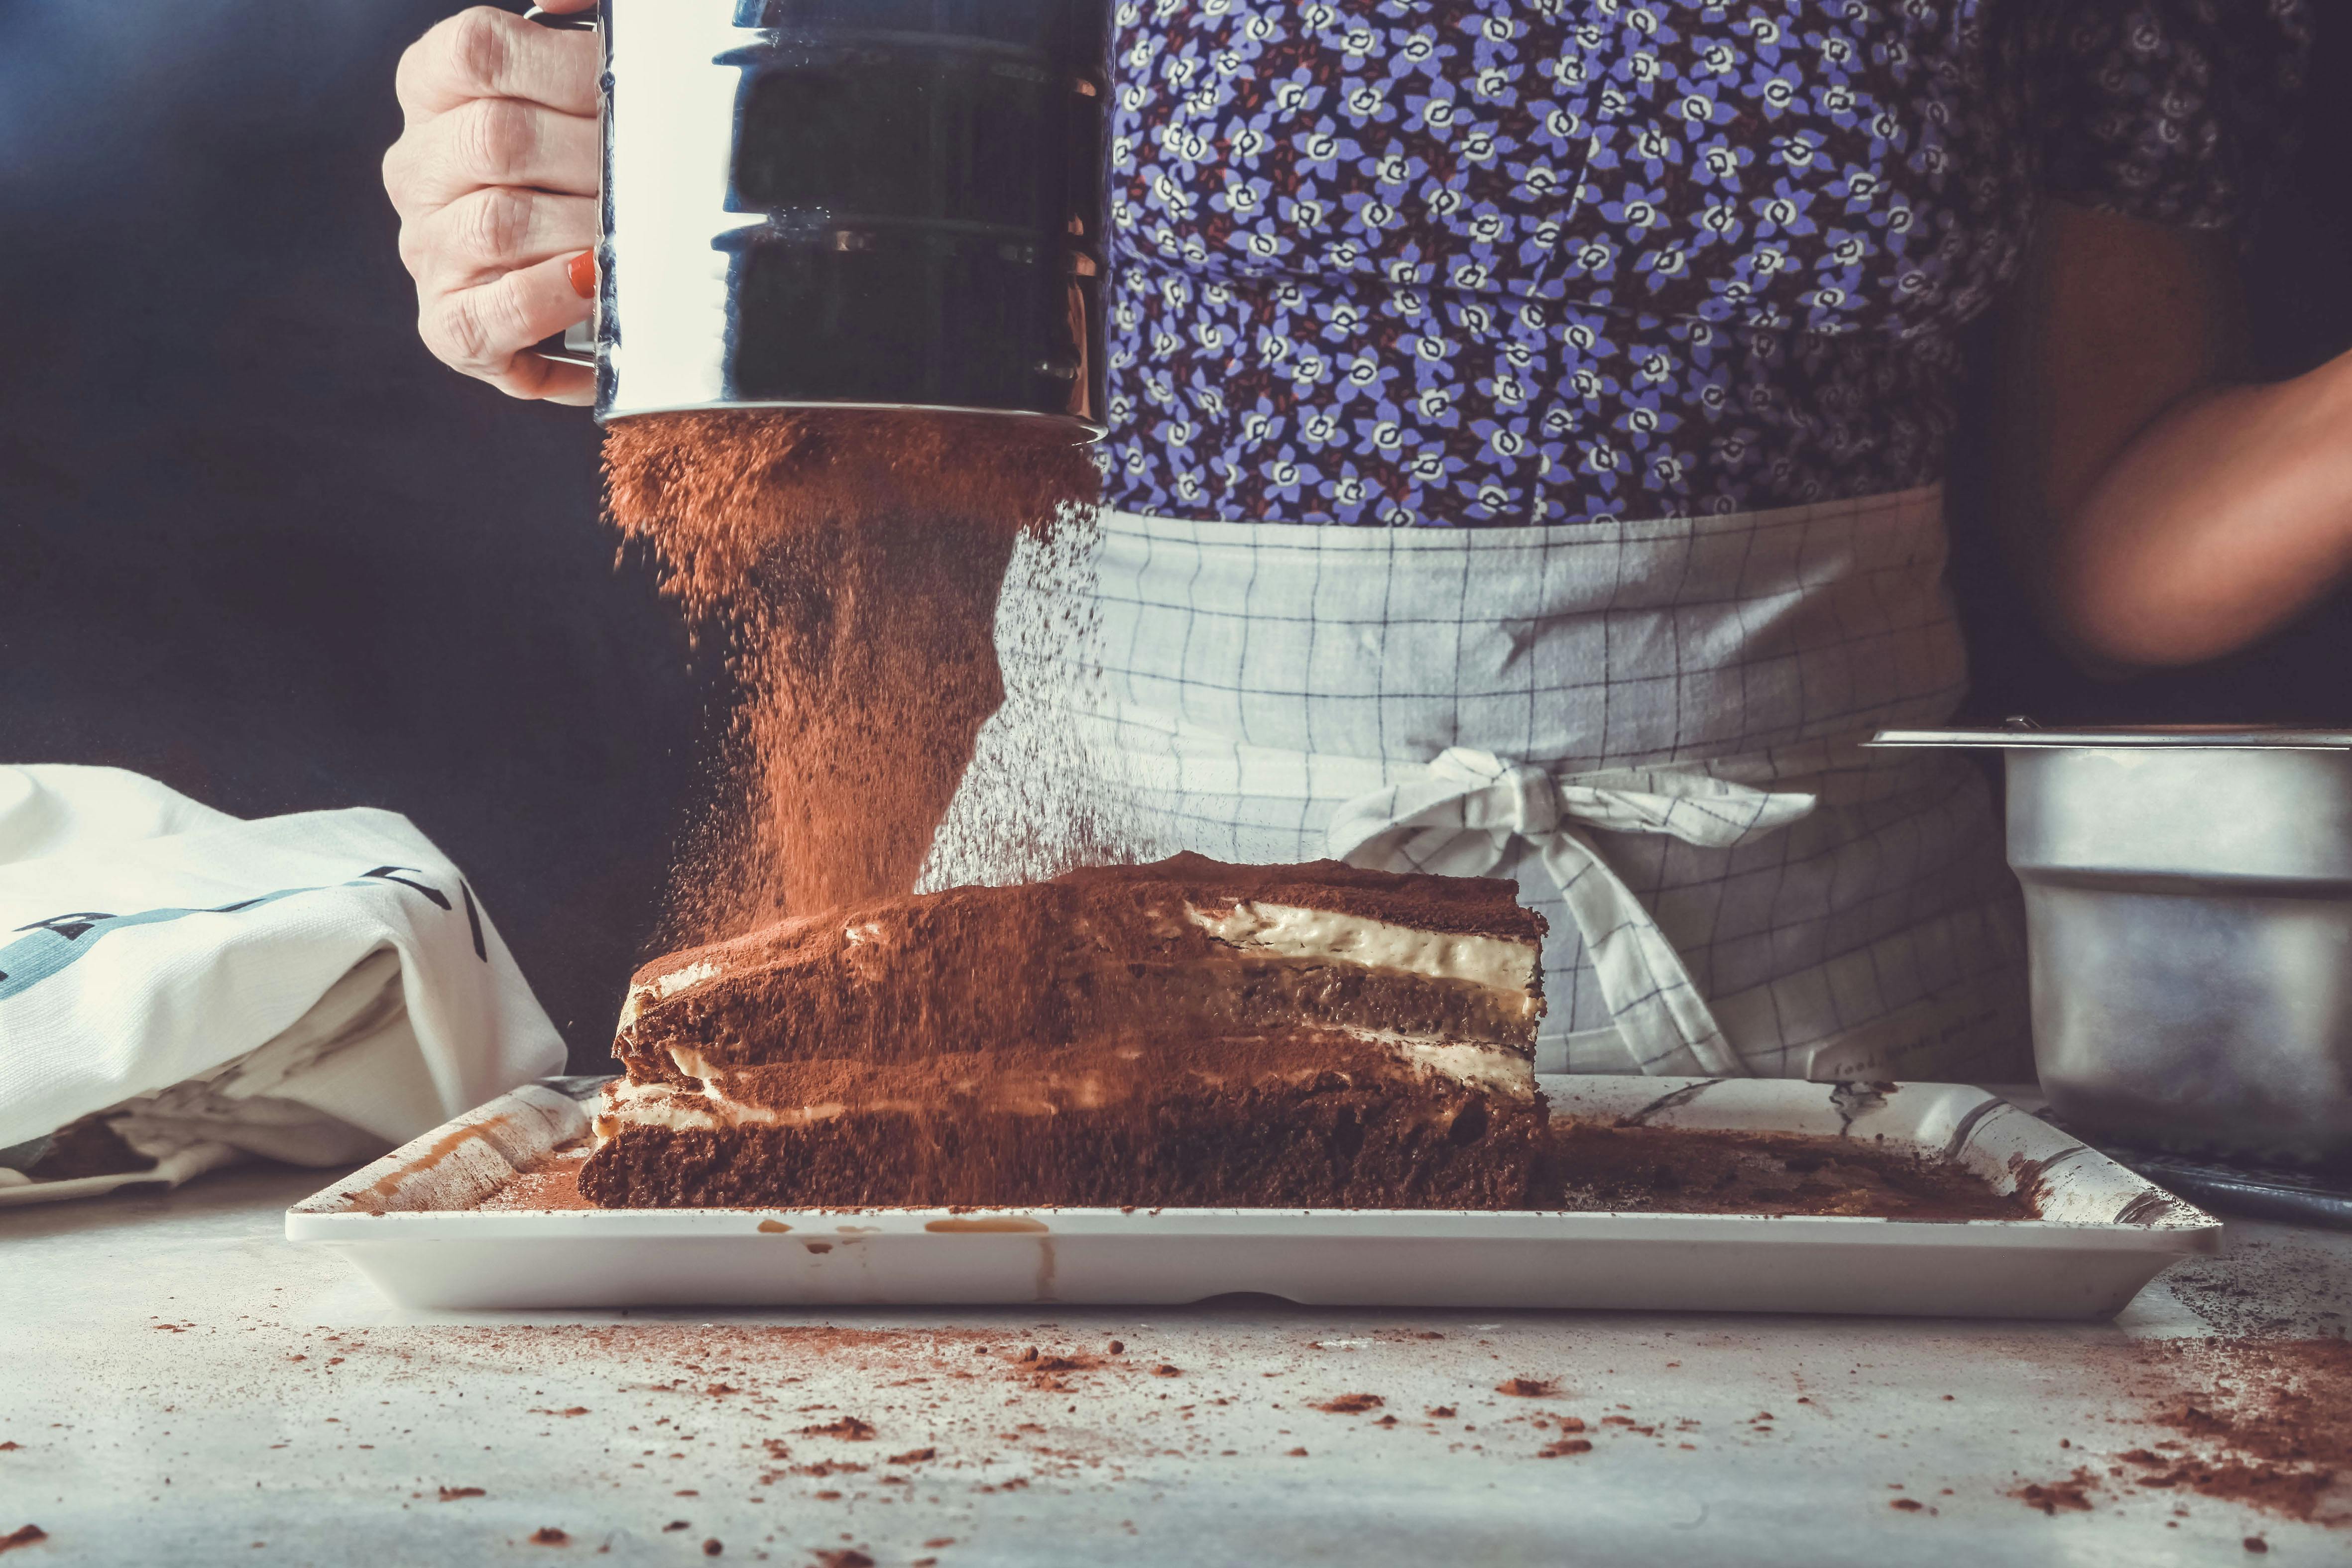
(1529, 427)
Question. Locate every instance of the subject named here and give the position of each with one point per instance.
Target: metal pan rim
(2176, 737)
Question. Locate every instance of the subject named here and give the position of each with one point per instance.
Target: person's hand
(495, 180)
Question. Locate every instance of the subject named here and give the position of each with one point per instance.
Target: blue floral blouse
(1556, 261)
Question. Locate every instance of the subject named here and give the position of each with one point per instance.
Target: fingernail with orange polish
(583, 275)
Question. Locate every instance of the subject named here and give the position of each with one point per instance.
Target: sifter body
(876, 203)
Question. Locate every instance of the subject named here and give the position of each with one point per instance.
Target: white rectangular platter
(407, 1221)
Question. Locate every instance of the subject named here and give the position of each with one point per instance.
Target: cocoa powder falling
(852, 559)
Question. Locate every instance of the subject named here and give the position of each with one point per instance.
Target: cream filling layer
(1286, 931)
(661, 987)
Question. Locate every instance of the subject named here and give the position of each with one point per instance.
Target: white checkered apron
(1652, 726)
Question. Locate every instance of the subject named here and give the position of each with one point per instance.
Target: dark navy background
(255, 542)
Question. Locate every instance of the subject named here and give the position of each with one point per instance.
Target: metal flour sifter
(876, 203)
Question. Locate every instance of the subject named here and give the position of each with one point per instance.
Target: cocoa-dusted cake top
(1452, 906)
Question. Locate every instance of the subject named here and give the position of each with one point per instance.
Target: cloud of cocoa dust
(852, 558)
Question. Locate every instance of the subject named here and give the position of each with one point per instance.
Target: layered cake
(1188, 1033)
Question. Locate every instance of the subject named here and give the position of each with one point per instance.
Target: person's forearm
(2225, 517)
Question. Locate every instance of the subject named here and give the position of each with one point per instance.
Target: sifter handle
(577, 345)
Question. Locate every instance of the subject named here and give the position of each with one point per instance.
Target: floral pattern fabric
(1499, 262)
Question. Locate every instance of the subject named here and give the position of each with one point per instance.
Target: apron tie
(1460, 818)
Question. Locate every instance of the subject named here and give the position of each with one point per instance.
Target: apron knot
(1504, 797)
(1459, 818)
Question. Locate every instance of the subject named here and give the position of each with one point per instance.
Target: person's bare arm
(2161, 510)
(495, 179)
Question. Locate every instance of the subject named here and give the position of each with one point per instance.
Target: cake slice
(1186, 1033)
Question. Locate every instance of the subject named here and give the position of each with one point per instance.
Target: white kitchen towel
(315, 988)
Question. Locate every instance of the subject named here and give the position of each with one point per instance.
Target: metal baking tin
(2188, 910)
(2105, 1233)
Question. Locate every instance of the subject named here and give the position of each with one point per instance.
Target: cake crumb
(1349, 1403)
(2072, 1493)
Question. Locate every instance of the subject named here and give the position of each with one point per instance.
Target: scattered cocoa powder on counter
(1564, 1448)
(2273, 1417)
(852, 560)
(849, 1429)
(23, 1536)
(2263, 1423)
(849, 1557)
(1527, 1387)
(548, 1535)
(453, 1494)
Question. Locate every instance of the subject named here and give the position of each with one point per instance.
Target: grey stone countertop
(179, 1385)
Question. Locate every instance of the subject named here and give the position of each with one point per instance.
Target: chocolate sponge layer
(1328, 1143)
